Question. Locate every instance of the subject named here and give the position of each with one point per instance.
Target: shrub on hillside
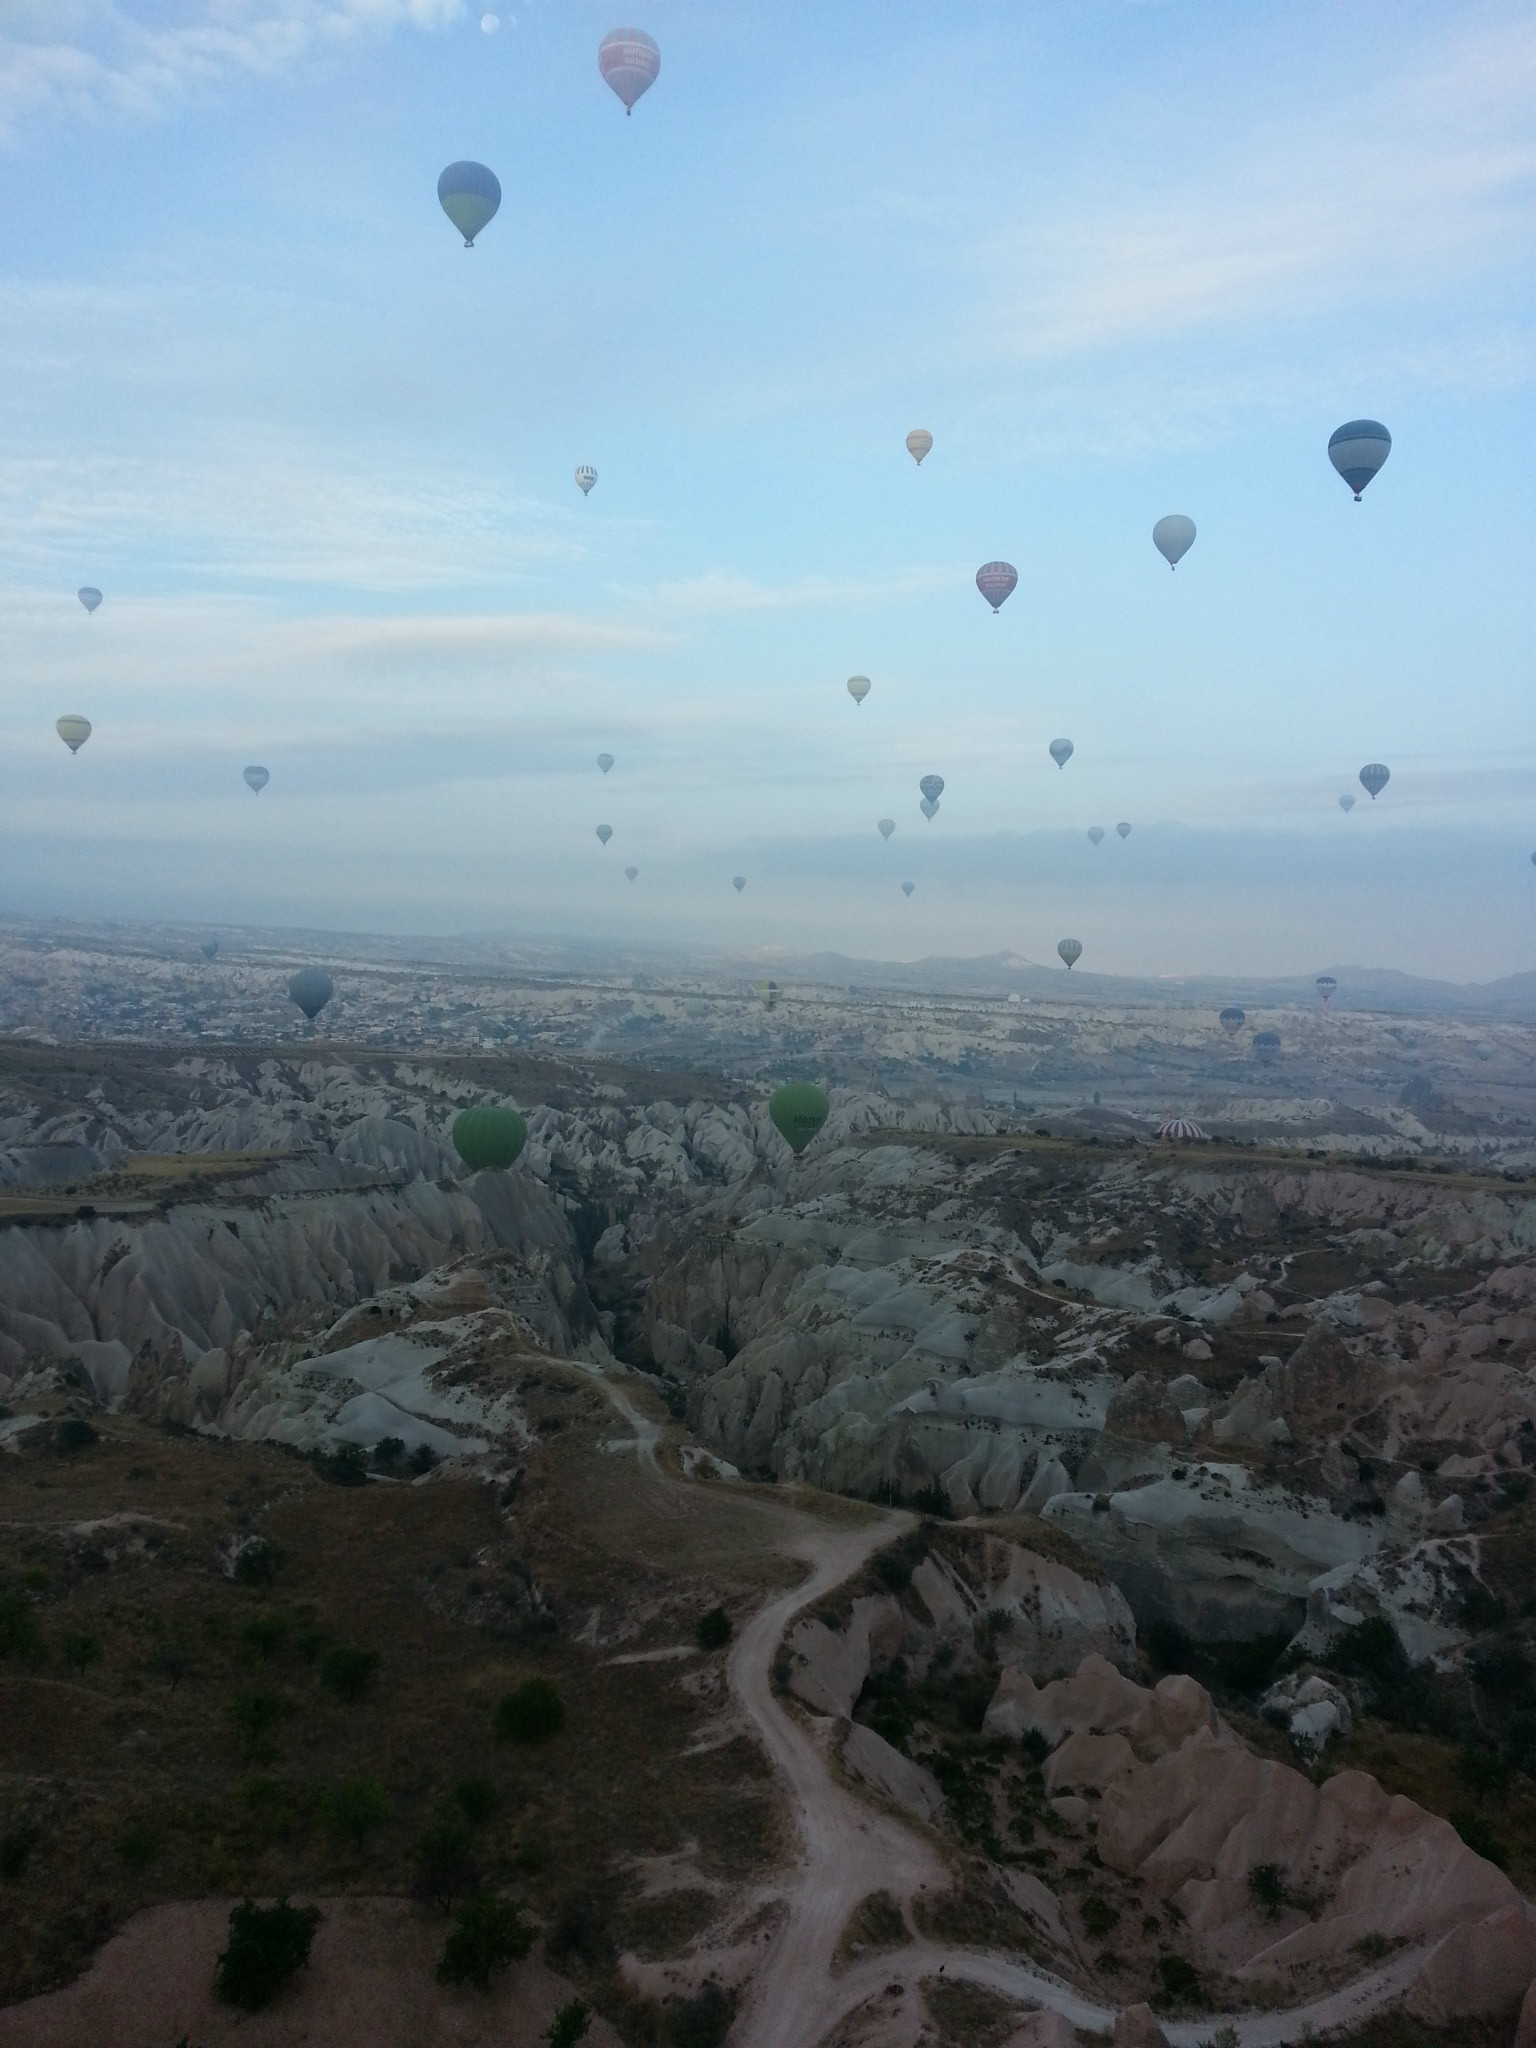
(532, 1713)
(348, 1673)
(267, 1946)
(445, 1865)
(570, 2024)
(488, 1933)
(714, 1629)
(355, 1807)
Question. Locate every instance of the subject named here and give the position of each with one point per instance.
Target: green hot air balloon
(469, 193)
(799, 1109)
(488, 1138)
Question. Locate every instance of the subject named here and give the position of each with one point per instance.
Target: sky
(1120, 259)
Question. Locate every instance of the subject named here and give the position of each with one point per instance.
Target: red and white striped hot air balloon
(629, 61)
(1180, 1130)
(997, 582)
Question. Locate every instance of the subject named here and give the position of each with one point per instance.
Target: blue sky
(1120, 260)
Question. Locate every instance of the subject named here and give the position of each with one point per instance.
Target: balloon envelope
(89, 596)
(631, 872)
(586, 477)
(469, 193)
(919, 441)
(798, 1109)
(997, 582)
(73, 730)
(738, 883)
(605, 762)
(1346, 802)
(629, 61)
(1232, 1019)
(1123, 829)
(886, 827)
(257, 778)
(1173, 538)
(1061, 752)
(1375, 776)
(1357, 450)
(1326, 986)
(1266, 1045)
(488, 1138)
(908, 887)
(932, 787)
(210, 949)
(311, 989)
(858, 688)
(1070, 950)
(929, 806)
(605, 833)
(1095, 833)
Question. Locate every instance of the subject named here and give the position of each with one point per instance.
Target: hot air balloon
(605, 762)
(1061, 752)
(1375, 776)
(89, 596)
(1070, 950)
(1357, 450)
(1180, 1130)
(1173, 537)
(586, 477)
(886, 827)
(1347, 803)
(210, 949)
(738, 883)
(908, 887)
(1326, 986)
(605, 833)
(1232, 1020)
(1096, 833)
(997, 582)
(73, 730)
(1123, 829)
(311, 989)
(858, 688)
(768, 994)
(257, 779)
(919, 441)
(932, 787)
(632, 873)
(929, 807)
(1266, 1046)
(469, 193)
(629, 60)
(488, 1138)
(798, 1110)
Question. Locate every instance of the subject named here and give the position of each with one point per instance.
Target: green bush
(1099, 1916)
(570, 2024)
(79, 1651)
(355, 1807)
(487, 1934)
(345, 1466)
(702, 2021)
(20, 1635)
(476, 1800)
(1180, 1980)
(389, 1454)
(1036, 1745)
(422, 1459)
(265, 1634)
(714, 1629)
(348, 1673)
(533, 1713)
(267, 1946)
(256, 1715)
(1266, 1887)
(445, 1865)
(138, 1845)
(257, 1562)
(74, 1433)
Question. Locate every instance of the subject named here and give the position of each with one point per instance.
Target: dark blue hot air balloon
(1357, 450)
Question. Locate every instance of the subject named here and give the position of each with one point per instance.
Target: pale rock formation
(828, 1668)
(872, 1760)
(1312, 1710)
(1136, 2027)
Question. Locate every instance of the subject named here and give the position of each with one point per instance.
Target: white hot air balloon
(1071, 950)
(605, 762)
(256, 779)
(907, 888)
(919, 441)
(1173, 538)
(738, 883)
(1061, 752)
(631, 872)
(858, 688)
(586, 477)
(886, 827)
(1347, 802)
(605, 833)
(73, 730)
(1123, 829)
(1096, 833)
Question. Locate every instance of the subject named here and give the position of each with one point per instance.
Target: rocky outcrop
(871, 1759)
(828, 1667)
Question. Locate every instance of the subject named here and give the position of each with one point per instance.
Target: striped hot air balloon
(932, 787)
(469, 193)
(630, 62)
(1233, 1019)
(1375, 776)
(997, 582)
(586, 477)
(1180, 1130)
(73, 730)
(1326, 986)
(1357, 451)
(1071, 950)
(858, 688)
(919, 441)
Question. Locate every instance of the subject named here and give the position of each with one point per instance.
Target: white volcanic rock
(1056, 1617)
(1479, 1971)
(872, 1760)
(828, 1667)
(1312, 1710)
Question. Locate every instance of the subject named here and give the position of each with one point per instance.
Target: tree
(570, 2024)
(348, 1673)
(267, 1946)
(488, 1933)
(532, 1713)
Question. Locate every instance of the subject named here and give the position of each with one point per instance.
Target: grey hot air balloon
(469, 193)
(605, 762)
(632, 873)
(73, 730)
(1375, 776)
(929, 807)
(1266, 1046)
(256, 778)
(89, 596)
(997, 582)
(210, 949)
(1071, 950)
(1061, 752)
(858, 688)
(886, 827)
(1173, 537)
(605, 833)
(738, 883)
(1233, 1019)
(630, 63)
(919, 441)
(907, 888)
(586, 477)
(1096, 833)
(932, 787)
(1347, 802)
(1326, 986)
(1123, 829)
(1357, 450)
(311, 989)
